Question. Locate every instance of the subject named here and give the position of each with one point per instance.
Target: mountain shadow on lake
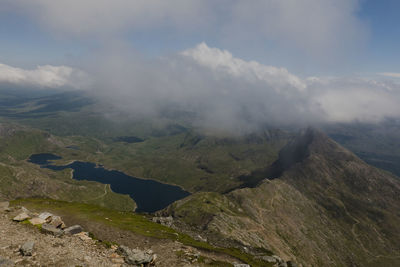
(149, 195)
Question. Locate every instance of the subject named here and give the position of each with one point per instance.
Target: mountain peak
(310, 141)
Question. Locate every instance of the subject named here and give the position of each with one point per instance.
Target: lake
(149, 195)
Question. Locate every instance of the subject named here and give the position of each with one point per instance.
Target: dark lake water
(149, 195)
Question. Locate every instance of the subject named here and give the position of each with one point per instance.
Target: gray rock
(50, 229)
(291, 264)
(56, 222)
(282, 264)
(268, 259)
(27, 248)
(136, 256)
(240, 265)
(6, 262)
(23, 209)
(75, 229)
(45, 216)
(167, 221)
(278, 259)
(21, 217)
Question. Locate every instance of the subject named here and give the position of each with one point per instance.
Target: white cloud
(390, 74)
(223, 91)
(229, 93)
(349, 99)
(222, 60)
(43, 76)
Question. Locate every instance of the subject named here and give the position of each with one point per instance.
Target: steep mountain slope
(322, 206)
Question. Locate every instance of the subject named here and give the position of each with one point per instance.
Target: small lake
(149, 195)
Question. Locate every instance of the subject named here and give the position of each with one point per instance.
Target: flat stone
(27, 248)
(21, 217)
(50, 229)
(45, 215)
(240, 265)
(72, 230)
(37, 220)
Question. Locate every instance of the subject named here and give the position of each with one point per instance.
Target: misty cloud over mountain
(225, 92)
(222, 90)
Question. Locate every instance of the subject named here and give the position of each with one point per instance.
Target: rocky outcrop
(167, 221)
(52, 224)
(137, 257)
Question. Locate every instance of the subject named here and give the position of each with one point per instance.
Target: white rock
(45, 215)
(37, 220)
(21, 217)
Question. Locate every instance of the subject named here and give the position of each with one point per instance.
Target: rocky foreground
(43, 239)
(52, 243)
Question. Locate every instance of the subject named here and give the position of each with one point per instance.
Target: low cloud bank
(221, 92)
(43, 76)
(232, 94)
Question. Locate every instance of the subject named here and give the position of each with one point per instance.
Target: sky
(236, 63)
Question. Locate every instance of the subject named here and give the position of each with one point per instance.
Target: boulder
(50, 229)
(37, 220)
(21, 217)
(56, 222)
(292, 264)
(27, 248)
(45, 216)
(72, 230)
(136, 256)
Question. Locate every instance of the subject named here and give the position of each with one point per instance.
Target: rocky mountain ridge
(321, 206)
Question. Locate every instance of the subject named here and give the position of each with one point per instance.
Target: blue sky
(383, 20)
(26, 40)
